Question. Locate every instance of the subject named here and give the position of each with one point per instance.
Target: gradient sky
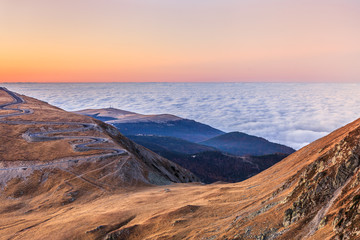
(179, 40)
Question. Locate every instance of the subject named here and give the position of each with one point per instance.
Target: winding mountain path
(78, 143)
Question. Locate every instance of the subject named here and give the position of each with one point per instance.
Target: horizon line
(335, 82)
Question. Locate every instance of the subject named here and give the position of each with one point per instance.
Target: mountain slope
(39, 139)
(213, 166)
(238, 143)
(130, 123)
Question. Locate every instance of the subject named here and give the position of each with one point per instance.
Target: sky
(173, 40)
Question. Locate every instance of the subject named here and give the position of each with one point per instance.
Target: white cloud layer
(294, 114)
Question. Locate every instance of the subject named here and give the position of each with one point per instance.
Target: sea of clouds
(293, 114)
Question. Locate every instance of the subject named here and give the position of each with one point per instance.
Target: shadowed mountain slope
(160, 144)
(238, 143)
(213, 166)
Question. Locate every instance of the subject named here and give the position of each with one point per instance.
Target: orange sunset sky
(173, 40)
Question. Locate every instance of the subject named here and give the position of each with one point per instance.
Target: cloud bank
(294, 114)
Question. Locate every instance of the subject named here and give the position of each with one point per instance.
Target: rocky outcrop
(322, 184)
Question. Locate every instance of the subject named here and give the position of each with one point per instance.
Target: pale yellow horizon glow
(158, 40)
